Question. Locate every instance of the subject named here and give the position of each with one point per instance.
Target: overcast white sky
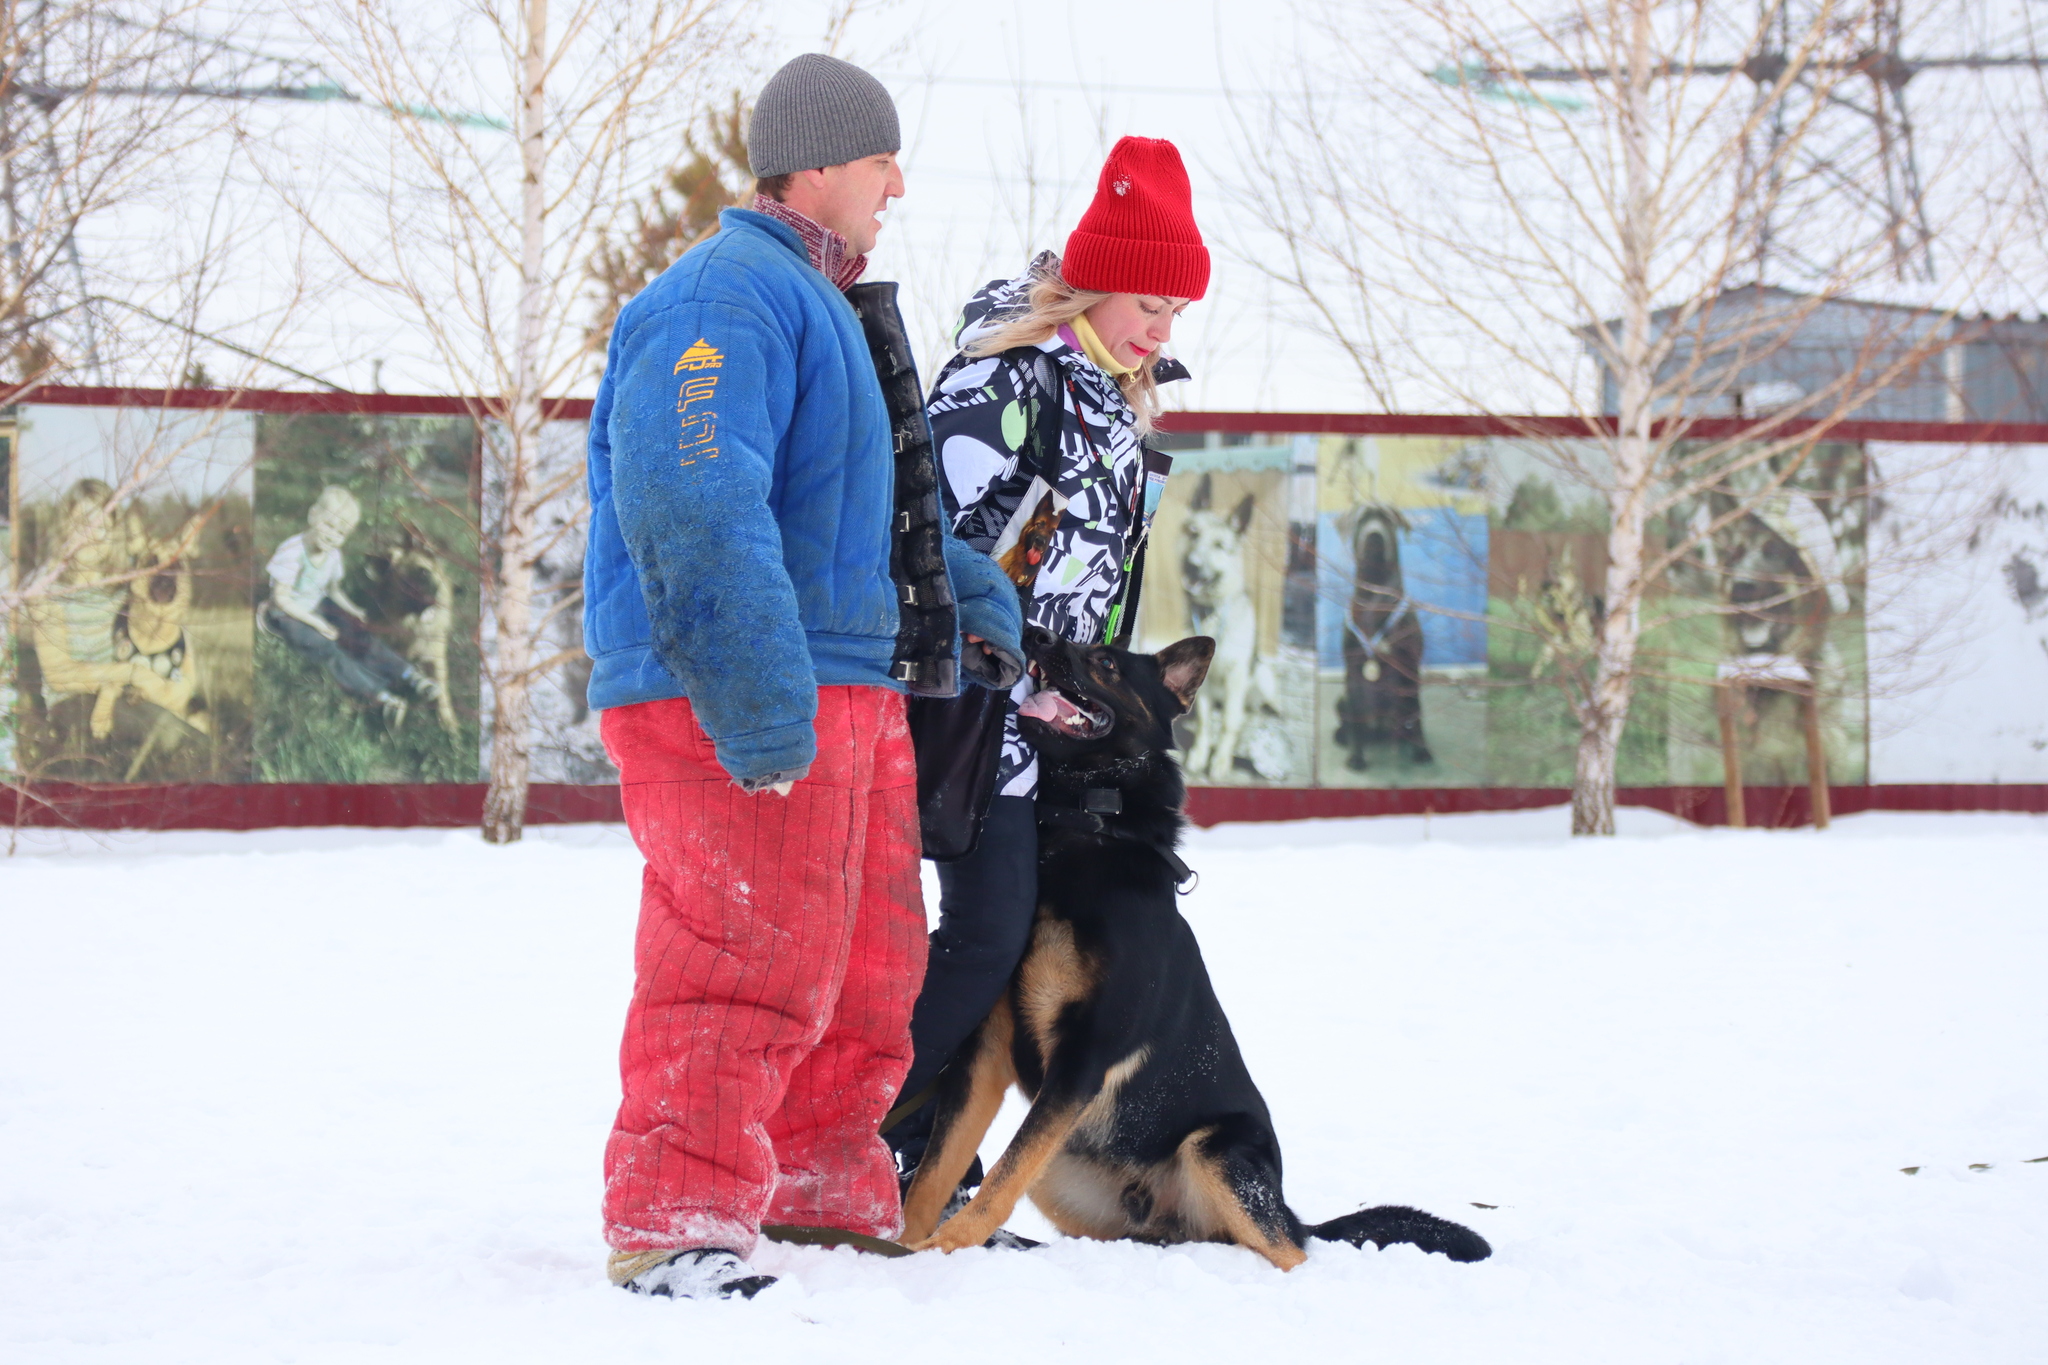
(1007, 110)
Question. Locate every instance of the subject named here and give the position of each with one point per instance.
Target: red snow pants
(780, 947)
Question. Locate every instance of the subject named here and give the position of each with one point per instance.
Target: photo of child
(134, 665)
(119, 623)
(309, 611)
(366, 653)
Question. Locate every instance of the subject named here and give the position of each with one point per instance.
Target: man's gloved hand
(988, 663)
(779, 783)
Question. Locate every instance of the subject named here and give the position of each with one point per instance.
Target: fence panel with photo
(283, 591)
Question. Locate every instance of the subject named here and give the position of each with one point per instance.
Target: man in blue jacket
(768, 574)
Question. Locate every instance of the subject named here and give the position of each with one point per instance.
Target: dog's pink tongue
(1046, 705)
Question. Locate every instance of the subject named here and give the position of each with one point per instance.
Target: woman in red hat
(1040, 423)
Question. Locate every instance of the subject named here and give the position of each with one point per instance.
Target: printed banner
(220, 596)
(565, 739)
(1401, 543)
(134, 665)
(1217, 564)
(1960, 627)
(366, 599)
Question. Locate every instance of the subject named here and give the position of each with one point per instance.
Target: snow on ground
(340, 1096)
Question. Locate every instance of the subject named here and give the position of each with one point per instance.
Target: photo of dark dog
(411, 601)
(1382, 646)
(1144, 1122)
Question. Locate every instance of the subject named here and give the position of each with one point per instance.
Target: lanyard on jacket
(1146, 493)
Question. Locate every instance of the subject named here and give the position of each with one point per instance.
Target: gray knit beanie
(820, 111)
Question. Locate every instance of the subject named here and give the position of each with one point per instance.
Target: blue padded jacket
(741, 489)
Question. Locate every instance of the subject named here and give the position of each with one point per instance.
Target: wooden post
(1731, 752)
(1816, 763)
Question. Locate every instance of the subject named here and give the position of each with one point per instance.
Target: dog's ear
(1241, 515)
(1204, 491)
(1183, 665)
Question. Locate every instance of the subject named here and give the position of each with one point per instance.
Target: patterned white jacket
(1063, 516)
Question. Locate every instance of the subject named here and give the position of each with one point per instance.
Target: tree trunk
(1593, 779)
(512, 652)
(512, 655)
(1604, 712)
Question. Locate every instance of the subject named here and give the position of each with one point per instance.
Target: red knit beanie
(1139, 236)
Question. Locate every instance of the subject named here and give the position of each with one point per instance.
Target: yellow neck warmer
(1092, 346)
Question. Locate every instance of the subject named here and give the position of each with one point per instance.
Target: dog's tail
(1394, 1223)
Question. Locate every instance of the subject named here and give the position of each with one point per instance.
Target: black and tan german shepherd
(1144, 1122)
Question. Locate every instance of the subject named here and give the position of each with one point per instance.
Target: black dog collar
(1097, 802)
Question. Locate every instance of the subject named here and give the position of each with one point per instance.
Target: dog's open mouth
(1050, 706)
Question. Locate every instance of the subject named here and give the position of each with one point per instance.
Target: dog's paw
(952, 1237)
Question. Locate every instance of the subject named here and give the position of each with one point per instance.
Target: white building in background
(1768, 349)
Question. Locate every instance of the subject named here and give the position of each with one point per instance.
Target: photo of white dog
(1237, 713)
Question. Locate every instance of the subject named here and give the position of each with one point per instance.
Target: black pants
(986, 904)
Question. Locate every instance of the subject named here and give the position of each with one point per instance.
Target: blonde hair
(1051, 305)
(336, 505)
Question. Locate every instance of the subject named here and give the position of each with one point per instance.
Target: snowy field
(340, 1096)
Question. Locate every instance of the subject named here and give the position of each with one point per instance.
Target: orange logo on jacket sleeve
(696, 391)
(702, 355)
(700, 428)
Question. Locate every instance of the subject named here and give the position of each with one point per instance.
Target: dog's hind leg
(1231, 1193)
(968, 1102)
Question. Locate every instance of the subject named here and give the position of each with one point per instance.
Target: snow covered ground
(340, 1096)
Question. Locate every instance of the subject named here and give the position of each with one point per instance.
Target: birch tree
(1558, 211)
(524, 127)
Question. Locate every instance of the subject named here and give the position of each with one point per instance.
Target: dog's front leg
(967, 1106)
(1224, 759)
(1044, 1132)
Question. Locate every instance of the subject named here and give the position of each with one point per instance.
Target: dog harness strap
(1379, 637)
(1146, 491)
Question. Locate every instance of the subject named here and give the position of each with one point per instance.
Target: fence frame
(265, 805)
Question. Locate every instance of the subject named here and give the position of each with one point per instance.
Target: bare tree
(1617, 211)
(679, 212)
(107, 108)
(481, 231)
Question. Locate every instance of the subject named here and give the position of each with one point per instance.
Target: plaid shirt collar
(829, 250)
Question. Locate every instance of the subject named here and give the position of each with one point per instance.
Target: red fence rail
(1232, 423)
(272, 805)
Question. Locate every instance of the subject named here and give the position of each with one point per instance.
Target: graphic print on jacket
(1066, 519)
